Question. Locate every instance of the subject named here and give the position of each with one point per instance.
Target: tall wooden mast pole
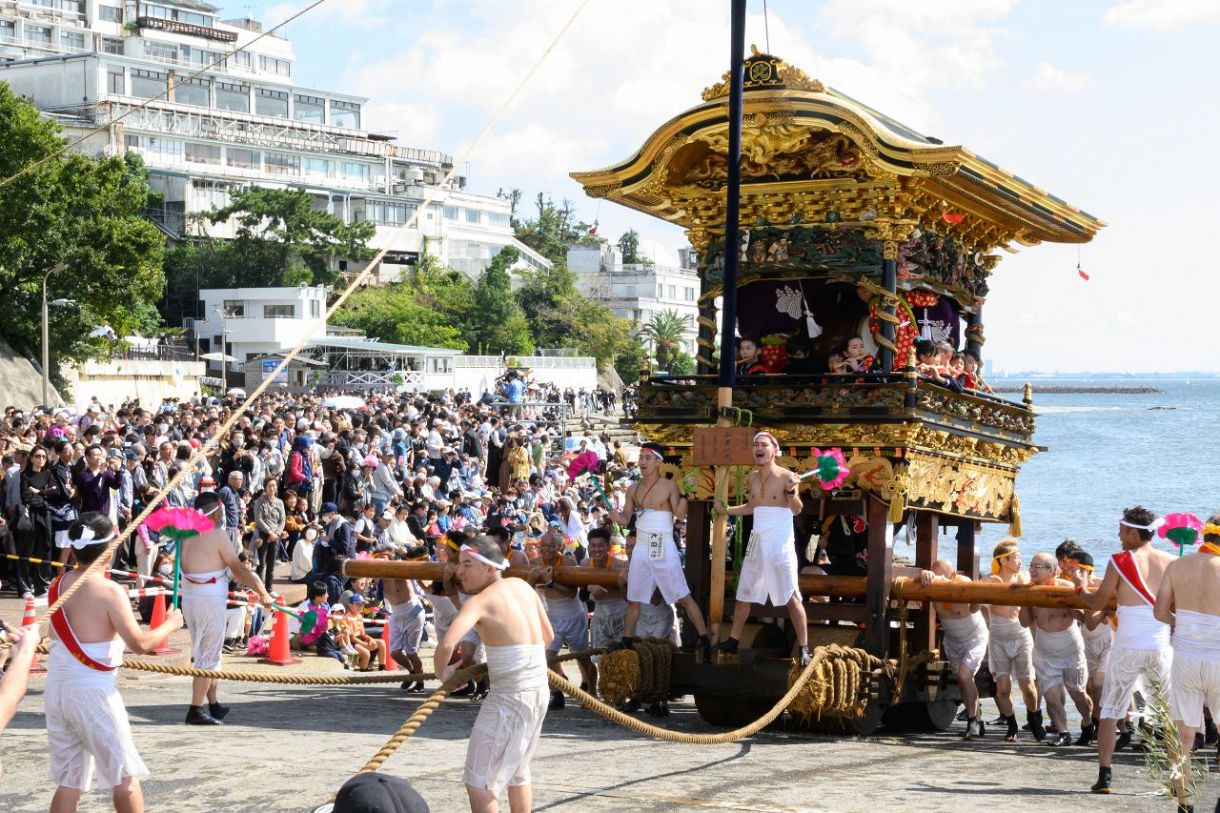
(728, 310)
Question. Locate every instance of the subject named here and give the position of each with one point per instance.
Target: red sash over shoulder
(1124, 562)
(66, 636)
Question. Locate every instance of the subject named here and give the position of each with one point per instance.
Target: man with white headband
(770, 567)
(1010, 646)
(208, 560)
(654, 562)
(87, 728)
(1189, 601)
(512, 622)
(1141, 642)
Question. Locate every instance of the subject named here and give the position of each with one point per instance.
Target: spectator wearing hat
(378, 793)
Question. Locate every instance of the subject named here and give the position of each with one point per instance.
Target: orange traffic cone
(279, 653)
(158, 618)
(390, 663)
(30, 619)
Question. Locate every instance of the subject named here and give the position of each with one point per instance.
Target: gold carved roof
(811, 155)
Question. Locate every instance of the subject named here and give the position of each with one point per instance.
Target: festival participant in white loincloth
(654, 563)
(567, 613)
(87, 726)
(207, 562)
(1141, 642)
(1189, 601)
(1098, 637)
(447, 600)
(406, 620)
(769, 569)
(1059, 663)
(1011, 647)
(512, 623)
(965, 642)
(609, 604)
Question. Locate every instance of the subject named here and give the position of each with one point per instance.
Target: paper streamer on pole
(1181, 529)
(178, 523)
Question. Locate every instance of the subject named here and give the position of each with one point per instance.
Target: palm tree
(665, 331)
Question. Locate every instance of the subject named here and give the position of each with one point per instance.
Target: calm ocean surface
(1109, 452)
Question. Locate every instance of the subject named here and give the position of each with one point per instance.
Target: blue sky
(1110, 105)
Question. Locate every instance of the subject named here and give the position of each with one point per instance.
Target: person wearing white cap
(1141, 642)
(770, 567)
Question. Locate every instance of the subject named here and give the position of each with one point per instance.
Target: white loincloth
(570, 621)
(654, 560)
(1010, 651)
(1196, 667)
(204, 596)
(407, 626)
(1097, 643)
(658, 621)
(1137, 653)
(1059, 659)
(443, 613)
(965, 641)
(87, 727)
(608, 619)
(505, 734)
(769, 569)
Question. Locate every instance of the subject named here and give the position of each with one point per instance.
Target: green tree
(281, 239)
(84, 213)
(630, 361)
(496, 323)
(665, 331)
(554, 229)
(629, 244)
(683, 364)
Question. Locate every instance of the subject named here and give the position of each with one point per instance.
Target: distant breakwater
(1053, 389)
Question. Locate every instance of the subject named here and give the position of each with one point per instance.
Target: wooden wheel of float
(731, 712)
(928, 715)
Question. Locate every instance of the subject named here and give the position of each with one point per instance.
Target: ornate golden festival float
(849, 223)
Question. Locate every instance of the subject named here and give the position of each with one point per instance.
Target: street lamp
(46, 342)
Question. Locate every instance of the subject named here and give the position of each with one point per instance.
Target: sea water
(1107, 452)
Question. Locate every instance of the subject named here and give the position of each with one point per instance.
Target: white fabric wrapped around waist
(653, 521)
(1057, 644)
(64, 668)
(214, 584)
(964, 629)
(408, 609)
(1138, 630)
(773, 522)
(1102, 631)
(609, 605)
(1197, 635)
(516, 668)
(1007, 628)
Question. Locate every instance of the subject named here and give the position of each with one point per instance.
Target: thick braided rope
(627, 721)
(271, 677)
(426, 708)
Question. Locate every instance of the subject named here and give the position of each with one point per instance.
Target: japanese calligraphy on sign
(724, 446)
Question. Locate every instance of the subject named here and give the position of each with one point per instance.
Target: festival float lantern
(837, 220)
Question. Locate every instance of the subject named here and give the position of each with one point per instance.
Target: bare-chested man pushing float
(770, 567)
(965, 642)
(654, 562)
(1141, 642)
(513, 626)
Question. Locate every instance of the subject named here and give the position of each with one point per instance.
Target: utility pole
(46, 342)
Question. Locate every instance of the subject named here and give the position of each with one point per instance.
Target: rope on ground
(612, 714)
(274, 677)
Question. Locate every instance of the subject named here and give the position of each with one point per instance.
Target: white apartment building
(636, 291)
(242, 122)
(247, 322)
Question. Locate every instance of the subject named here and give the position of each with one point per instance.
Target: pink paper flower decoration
(831, 470)
(1181, 529)
(179, 522)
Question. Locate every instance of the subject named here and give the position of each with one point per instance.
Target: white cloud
(1050, 79)
(1163, 15)
(346, 13)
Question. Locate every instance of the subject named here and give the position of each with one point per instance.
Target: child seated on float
(853, 359)
(927, 354)
(749, 362)
(957, 366)
(972, 376)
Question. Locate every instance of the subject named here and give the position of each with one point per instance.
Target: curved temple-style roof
(811, 155)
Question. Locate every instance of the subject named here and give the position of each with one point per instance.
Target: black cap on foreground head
(378, 793)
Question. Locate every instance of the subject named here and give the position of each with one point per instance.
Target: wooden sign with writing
(724, 446)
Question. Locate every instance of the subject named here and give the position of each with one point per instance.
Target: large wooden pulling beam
(902, 588)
